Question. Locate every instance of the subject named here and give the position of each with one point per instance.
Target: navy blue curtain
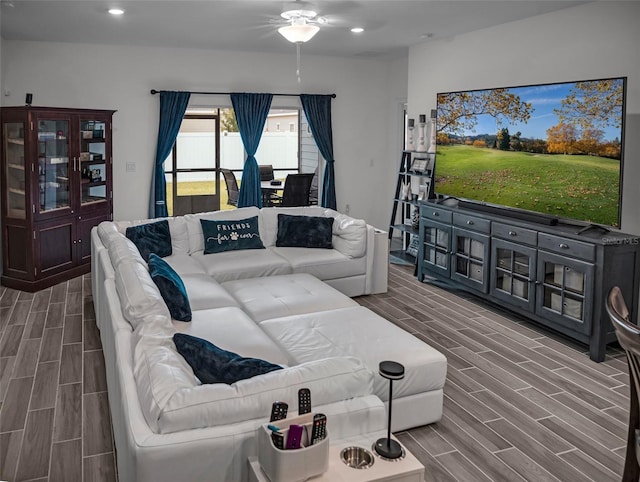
(317, 108)
(172, 108)
(251, 113)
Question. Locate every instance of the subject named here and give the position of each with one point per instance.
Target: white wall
(596, 40)
(113, 77)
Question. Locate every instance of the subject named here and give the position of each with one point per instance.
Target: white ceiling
(390, 26)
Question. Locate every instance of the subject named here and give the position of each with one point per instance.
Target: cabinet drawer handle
(469, 222)
(512, 233)
(564, 246)
(436, 213)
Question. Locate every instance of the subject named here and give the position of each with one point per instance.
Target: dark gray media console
(556, 275)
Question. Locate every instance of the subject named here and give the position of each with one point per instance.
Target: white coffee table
(407, 469)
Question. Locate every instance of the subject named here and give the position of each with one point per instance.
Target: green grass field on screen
(569, 186)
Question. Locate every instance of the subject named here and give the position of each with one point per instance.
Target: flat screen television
(551, 149)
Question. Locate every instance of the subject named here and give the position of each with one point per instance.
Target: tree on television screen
(590, 107)
(593, 104)
(458, 111)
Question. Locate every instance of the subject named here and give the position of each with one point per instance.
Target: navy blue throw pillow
(304, 231)
(151, 238)
(212, 364)
(171, 288)
(231, 235)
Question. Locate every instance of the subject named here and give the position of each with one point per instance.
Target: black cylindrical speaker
(28, 99)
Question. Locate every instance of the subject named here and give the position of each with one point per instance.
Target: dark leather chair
(232, 187)
(266, 172)
(296, 190)
(269, 198)
(629, 338)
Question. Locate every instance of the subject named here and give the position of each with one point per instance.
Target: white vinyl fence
(197, 150)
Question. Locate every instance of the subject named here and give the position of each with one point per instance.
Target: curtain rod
(154, 92)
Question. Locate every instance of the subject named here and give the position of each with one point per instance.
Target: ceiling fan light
(298, 33)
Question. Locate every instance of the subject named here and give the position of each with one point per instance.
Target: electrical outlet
(131, 167)
(346, 208)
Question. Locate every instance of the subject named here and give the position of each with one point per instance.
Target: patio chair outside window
(232, 186)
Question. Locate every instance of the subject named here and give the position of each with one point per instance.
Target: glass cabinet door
(566, 288)
(13, 149)
(513, 273)
(54, 170)
(433, 254)
(470, 258)
(93, 161)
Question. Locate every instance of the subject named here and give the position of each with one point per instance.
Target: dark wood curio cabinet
(56, 185)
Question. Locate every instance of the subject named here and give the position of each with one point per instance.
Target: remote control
(278, 411)
(304, 401)
(278, 440)
(295, 436)
(319, 431)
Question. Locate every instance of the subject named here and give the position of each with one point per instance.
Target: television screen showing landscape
(555, 149)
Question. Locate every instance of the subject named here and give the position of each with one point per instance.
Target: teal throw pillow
(231, 235)
(212, 364)
(171, 288)
(151, 238)
(304, 231)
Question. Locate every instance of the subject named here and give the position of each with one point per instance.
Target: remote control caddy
(294, 448)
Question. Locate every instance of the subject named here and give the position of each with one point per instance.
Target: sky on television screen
(544, 98)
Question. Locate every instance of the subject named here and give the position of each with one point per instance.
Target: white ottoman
(278, 296)
(357, 331)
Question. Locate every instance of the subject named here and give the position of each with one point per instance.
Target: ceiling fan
(299, 22)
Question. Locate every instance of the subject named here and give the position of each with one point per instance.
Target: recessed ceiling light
(357, 30)
(116, 11)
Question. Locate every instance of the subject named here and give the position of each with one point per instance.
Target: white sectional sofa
(264, 303)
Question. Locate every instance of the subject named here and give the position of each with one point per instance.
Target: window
(191, 167)
(282, 148)
(290, 151)
(209, 140)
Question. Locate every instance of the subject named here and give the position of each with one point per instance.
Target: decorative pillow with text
(229, 235)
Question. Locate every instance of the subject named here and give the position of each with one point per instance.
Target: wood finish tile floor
(54, 417)
(520, 403)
